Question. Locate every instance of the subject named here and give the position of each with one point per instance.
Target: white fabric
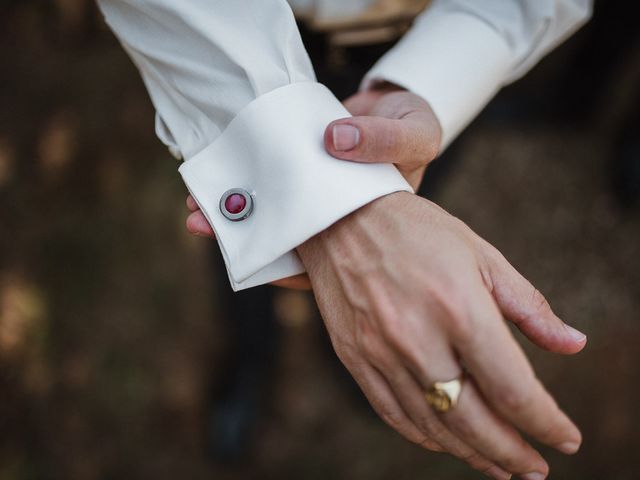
(236, 97)
(460, 52)
(297, 190)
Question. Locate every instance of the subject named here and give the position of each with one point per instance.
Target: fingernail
(569, 447)
(345, 137)
(533, 476)
(576, 335)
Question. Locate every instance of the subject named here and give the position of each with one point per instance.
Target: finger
(505, 376)
(526, 307)
(412, 141)
(474, 421)
(191, 204)
(411, 399)
(198, 225)
(372, 384)
(471, 420)
(383, 401)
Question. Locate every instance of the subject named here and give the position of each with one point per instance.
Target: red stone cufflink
(236, 204)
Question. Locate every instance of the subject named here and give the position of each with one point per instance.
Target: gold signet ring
(443, 396)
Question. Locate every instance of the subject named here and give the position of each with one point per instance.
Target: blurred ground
(110, 334)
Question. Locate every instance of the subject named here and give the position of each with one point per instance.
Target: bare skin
(435, 299)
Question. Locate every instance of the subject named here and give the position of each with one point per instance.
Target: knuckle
(347, 354)
(475, 460)
(394, 331)
(429, 444)
(432, 427)
(401, 336)
(370, 347)
(518, 400)
(459, 323)
(461, 328)
(365, 342)
(486, 274)
(539, 302)
(430, 147)
(515, 401)
(433, 147)
(449, 304)
(391, 417)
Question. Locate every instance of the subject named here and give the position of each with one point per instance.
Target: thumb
(522, 304)
(408, 142)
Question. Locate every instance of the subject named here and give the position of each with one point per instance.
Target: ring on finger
(443, 396)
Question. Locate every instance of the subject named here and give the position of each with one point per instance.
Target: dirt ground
(110, 331)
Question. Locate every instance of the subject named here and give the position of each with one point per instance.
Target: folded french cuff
(454, 60)
(273, 149)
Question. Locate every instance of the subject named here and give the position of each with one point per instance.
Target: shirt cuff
(274, 151)
(454, 60)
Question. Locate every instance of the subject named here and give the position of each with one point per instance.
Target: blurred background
(123, 353)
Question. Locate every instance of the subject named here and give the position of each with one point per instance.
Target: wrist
(352, 230)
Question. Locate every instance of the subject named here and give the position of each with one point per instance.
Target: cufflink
(236, 204)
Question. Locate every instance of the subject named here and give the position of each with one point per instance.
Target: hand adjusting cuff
(273, 150)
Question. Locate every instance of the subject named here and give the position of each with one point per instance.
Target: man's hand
(389, 125)
(411, 296)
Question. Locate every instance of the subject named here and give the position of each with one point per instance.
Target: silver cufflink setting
(236, 204)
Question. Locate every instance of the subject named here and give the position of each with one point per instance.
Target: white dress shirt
(236, 97)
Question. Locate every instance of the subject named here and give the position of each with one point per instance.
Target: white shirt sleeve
(236, 96)
(459, 53)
